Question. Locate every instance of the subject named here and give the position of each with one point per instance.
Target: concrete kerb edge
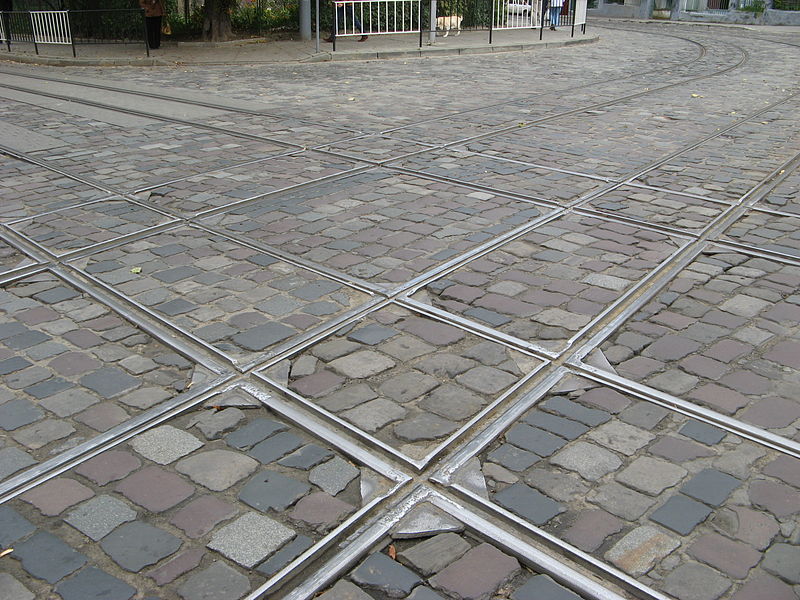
(326, 56)
(428, 51)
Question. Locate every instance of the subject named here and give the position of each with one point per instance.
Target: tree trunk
(217, 23)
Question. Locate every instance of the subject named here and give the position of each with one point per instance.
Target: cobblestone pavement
(519, 326)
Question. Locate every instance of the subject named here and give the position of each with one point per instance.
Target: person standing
(555, 13)
(153, 13)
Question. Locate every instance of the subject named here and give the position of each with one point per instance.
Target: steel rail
(167, 97)
(701, 53)
(379, 530)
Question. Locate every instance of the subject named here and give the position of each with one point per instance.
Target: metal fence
(377, 17)
(450, 17)
(73, 27)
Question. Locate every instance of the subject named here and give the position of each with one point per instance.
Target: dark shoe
(328, 39)
(552, 28)
(363, 38)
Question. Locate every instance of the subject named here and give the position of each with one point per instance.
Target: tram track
(569, 358)
(323, 148)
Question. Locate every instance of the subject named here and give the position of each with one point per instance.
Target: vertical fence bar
(491, 20)
(572, 14)
(71, 36)
(33, 28)
(316, 24)
(144, 29)
(541, 20)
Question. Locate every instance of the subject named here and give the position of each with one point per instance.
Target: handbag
(165, 28)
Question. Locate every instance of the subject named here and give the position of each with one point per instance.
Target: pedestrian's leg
(157, 32)
(149, 23)
(357, 23)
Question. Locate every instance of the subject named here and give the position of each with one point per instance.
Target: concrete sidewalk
(263, 50)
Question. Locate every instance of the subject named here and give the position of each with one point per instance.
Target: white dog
(448, 23)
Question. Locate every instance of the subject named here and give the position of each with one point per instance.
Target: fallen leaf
(136, 270)
(6, 551)
(392, 552)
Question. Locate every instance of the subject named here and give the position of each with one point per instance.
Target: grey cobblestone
(643, 496)
(262, 245)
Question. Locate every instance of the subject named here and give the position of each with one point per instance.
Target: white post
(432, 34)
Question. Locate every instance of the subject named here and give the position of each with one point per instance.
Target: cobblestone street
(517, 325)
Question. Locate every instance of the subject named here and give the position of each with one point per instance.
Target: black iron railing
(73, 27)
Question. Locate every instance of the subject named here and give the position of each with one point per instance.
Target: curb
(430, 52)
(325, 56)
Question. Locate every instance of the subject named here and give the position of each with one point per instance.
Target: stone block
(94, 584)
(136, 545)
(434, 554)
(783, 560)
(641, 549)
(45, 556)
(528, 503)
(250, 539)
(588, 460)
(651, 475)
(275, 447)
(734, 558)
(695, 582)
(271, 490)
(681, 514)
(100, 516)
(382, 573)
(56, 495)
(201, 515)
(215, 582)
(165, 444)
(476, 575)
(334, 475)
(541, 587)
(13, 526)
(216, 470)
(711, 486)
(155, 489)
(591, 528)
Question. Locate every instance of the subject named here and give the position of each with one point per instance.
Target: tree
(217, 22)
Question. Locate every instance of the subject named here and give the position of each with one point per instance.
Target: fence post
(419, 19)
(541, 20)
(572, 4)
(316, 39)
(491, 20)
(33, 29)
(305, 19)
(71, 35)
(144, 28)
(432, 34)
(335, 24)
(6, 28)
